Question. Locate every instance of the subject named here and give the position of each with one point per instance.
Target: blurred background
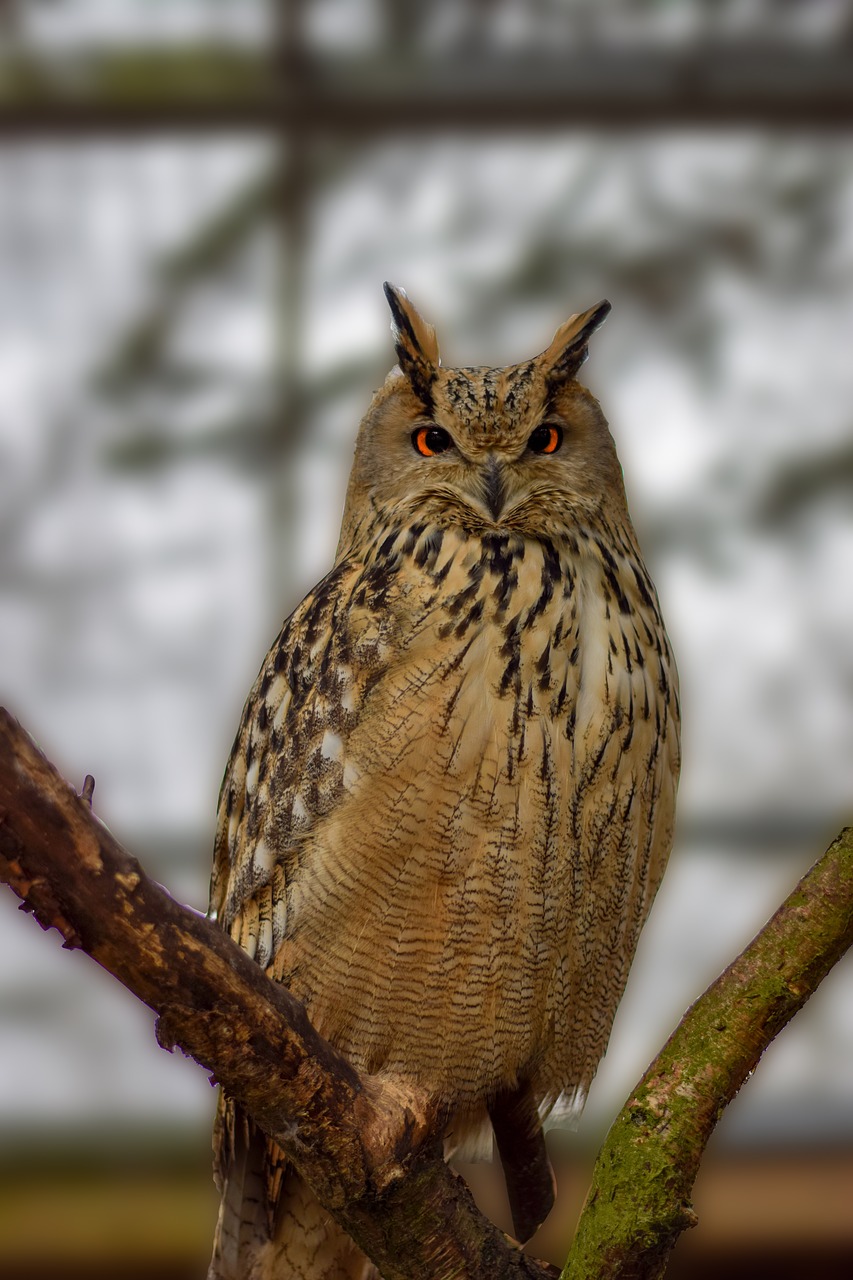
(199, 201)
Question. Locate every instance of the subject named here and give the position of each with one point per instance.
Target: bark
(639, 1202)
(370, 1151)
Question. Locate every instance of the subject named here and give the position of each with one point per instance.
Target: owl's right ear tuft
(415, 342)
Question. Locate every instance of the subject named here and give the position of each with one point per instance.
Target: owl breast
(454, 842)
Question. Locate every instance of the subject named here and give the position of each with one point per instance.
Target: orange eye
(429, 441)
(546, 439)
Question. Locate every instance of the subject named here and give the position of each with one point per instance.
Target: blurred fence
(198, 203)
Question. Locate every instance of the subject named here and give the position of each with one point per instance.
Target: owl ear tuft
(415, 342)
(569, 347)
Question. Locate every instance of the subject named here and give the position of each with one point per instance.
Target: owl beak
(494, 487)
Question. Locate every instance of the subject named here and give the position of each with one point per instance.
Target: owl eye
(429, 441)
(546, 439)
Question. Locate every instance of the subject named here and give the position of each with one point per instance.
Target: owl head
(522, 449)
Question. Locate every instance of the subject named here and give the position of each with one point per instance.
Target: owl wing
(283, 774)
(286, 769)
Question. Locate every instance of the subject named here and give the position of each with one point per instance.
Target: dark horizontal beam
(720, 86)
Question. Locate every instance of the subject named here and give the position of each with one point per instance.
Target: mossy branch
(371, 1153)
(639, 1202)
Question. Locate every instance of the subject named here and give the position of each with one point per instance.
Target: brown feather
(527, 1169)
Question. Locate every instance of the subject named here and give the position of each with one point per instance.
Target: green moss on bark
(639, 1202)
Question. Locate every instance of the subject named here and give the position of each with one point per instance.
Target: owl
(450, 800)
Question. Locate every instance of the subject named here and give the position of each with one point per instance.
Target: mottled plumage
(451, 796)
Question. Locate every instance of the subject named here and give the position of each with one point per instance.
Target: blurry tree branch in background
(142, 353)
(370, 1151)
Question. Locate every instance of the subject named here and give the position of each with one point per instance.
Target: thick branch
(370, 1152)
(639, 1202)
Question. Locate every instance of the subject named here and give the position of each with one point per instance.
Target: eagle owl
(450, 800)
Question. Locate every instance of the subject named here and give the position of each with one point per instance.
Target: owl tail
(271, 1226)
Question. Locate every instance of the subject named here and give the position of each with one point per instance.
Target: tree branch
(639, 1202)
(370, 1152)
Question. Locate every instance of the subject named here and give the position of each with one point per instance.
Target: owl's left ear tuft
(415, 342)
(569, 347)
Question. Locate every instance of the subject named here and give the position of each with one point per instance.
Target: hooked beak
(494, 487)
